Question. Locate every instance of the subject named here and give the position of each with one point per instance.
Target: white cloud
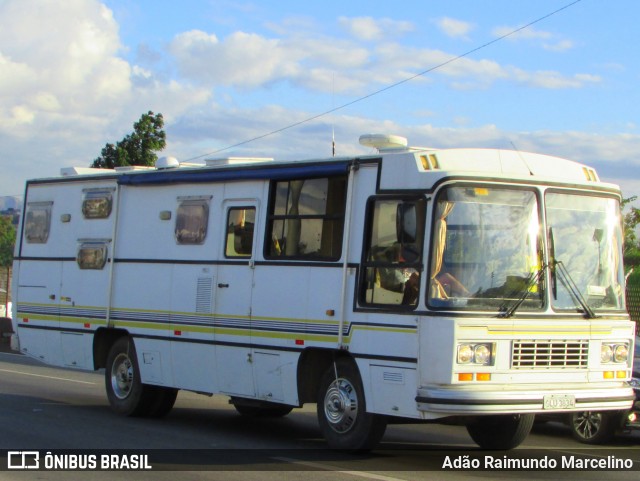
(559, 46)
(369, 28)
(65, 90)
(528, 33)
(553, 79)
(60, 55)
(241, 59)
(454, 28)
(548, 41)
(64, 82)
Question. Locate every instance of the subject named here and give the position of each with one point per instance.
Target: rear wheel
(163, 399)
(125, 391)
(342, 413)
(500, 431)
(594, 427)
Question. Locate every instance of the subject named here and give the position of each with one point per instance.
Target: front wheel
(342, 414)
(594, 427)
(500, 431)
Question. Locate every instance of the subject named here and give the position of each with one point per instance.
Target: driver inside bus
(452, 286)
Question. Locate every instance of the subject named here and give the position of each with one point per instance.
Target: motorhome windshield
(486, 249)
(585, 235)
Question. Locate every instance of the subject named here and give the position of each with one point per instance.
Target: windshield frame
(527, 291)
(559, 265)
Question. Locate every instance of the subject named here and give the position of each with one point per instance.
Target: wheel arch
(312, 364)
(103, 339)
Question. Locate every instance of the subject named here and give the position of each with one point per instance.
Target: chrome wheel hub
(122, 376)
(341, 405)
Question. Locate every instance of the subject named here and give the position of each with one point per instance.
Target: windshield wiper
(573, 289)
(532, 280)
(566, 279)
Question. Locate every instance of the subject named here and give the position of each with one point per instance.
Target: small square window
(97, 204)
(37, 222)
(92, 255)
(192, 221)
(240, 225)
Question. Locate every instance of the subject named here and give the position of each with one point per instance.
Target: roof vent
(71, 171)
(132, 168)
(236, 160)
(383, 142)
(169, 162)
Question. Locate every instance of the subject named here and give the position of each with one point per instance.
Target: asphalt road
(65, 412)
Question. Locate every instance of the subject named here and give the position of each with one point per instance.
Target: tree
(631, 220)
(137, 148)
(7, 241)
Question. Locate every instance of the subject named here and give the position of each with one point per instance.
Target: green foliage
(7, 241)
(631, 220)
(137, 148)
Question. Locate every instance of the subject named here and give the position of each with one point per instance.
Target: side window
(393, 252)
(37, 223)
(240, 226)
(92, 255)
(97, 203)
(192, 220)
(306, 219)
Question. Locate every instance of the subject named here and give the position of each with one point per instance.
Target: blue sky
(77, 74)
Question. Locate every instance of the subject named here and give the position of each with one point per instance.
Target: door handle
(223, 286)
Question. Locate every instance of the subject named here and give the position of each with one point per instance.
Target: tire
(162, 401)
(266, 410)
(501, 431)
(126, 393)
(594, 427)
(342, 411)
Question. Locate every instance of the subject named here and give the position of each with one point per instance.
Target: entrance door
(83, 300)
(38, 292)
(233, 291)
(38, 281)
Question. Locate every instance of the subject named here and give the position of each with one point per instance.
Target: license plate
(559, 401)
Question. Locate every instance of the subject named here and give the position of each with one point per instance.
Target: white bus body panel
(208, 323)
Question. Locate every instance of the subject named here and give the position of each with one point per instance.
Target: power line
(393, 85)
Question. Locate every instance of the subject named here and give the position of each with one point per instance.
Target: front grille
(549, 354)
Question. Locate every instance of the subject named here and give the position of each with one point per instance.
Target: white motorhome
(470, 286)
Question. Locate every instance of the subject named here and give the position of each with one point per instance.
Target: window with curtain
(393, 261)
(240, 226)
(306, 219)
(487, 249)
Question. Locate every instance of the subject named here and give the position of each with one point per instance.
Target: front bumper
(445, 401)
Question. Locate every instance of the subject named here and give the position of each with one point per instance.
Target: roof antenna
(333, 142)
(521, 158)
(333, 101)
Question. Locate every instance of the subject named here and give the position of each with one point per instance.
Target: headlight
(606, 353)
(616, 353)
(465, 353)
(480, 353)
(621, 353)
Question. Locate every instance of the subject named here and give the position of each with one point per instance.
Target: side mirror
(598, 234)
(406, 223)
